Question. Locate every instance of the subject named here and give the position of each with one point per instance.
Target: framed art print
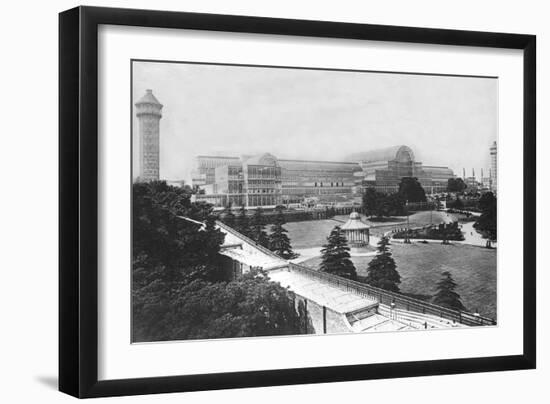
(250, 201)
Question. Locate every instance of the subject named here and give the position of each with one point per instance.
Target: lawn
(420, 265)
(314, 233)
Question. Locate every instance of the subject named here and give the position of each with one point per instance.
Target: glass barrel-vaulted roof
(400, 153)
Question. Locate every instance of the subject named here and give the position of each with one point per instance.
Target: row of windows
(263, 200)
(263, 172)
(315, 191)
(263, 182)
(213, 163)
(263, 191)
(332, 184)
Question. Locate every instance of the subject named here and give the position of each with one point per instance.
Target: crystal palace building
(264, 180)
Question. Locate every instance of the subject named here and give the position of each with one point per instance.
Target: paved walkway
(471, 237)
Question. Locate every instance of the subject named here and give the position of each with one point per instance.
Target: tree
(458, 204)
(381, 205)
(411, 190)
(382, 270)
(161, 238)
(247, 307)
(257, 232)
(335, 256)
(446, 295)
(396, 204)
(456, 185)
(179, 287)
(228, 217)
(370, 199)
(242, 224)
(279, 242)
(168, 251)
(486, 224)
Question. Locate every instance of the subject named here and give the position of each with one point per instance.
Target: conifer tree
(446, 295)
(228, 216)
(335, 256)
(279, 242)
(242, 224)
(257, 232)
(382, 270)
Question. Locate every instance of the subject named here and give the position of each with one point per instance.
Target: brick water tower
(148, 112)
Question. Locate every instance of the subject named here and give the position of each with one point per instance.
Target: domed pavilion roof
(354, 223)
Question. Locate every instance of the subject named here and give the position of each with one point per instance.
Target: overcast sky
(312, 114)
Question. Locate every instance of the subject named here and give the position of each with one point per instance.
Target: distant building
(494, 164)
(383, 170)
(435, 179)
(248, 181)
(205, 168)
(328, 181)
(148, 112)
(264, 180)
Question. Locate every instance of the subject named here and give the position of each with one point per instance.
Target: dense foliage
(380, 205)
(161, 239)
(411, 190)
(382, 270)
(335, 257)
(456, 204)
(486, 224)
(446, 295)
(443, 231)
(179, 287)
(456, 185)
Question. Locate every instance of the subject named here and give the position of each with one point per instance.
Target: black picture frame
(78, 200)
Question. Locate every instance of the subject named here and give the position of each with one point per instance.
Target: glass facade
(383, 170)
(264, 180)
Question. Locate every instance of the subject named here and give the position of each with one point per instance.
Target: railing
(400, 301)
(247, 240)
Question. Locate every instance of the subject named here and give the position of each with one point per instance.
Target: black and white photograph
(273, 201)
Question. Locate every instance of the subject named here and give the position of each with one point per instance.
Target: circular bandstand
(357, 233)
